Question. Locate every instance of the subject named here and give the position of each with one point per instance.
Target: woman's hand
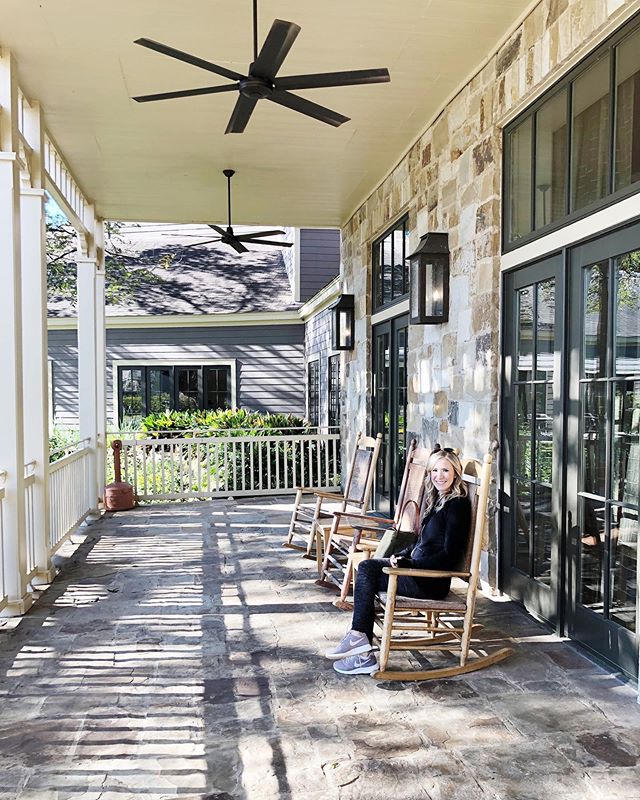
(393, 561)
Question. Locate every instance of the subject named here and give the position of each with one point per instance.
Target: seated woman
(441, 545)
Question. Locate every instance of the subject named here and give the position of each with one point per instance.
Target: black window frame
(313, 392)
(605, 48)
(376, 275)
(333, 391)
(146, 370)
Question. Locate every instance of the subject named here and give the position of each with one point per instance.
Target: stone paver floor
(178, 655)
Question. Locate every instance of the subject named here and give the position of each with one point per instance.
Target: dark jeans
(371, 580)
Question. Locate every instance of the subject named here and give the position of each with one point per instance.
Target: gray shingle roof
(208, 279)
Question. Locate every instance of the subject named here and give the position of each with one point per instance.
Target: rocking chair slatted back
(343, 536)
(358, 487)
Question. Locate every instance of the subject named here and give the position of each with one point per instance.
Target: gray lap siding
(269, 362)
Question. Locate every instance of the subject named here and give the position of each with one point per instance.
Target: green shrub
(237, 421)
(59, 439)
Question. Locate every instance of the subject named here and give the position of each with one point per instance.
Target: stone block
(508, 52)
(440, 403)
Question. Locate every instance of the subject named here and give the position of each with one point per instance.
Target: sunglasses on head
(438, 449)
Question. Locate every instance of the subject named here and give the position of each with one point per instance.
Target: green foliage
(126, 272)
(61, 438)
(235, 421)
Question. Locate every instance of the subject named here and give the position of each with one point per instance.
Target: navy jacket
(442, 542)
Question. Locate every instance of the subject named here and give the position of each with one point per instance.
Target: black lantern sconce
(343, 322)
(429, 287)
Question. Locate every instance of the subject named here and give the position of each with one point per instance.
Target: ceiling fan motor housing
(255, 87)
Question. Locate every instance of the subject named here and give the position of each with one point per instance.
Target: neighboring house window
(390, 265)
(150, 389)
(333, 373)
(313, 392)
(578, 145)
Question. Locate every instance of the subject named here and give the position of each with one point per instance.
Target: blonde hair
(436, 501)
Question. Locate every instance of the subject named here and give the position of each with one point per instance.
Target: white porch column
(11, 438)
(87, 364)
(101, 361)
(34, 341)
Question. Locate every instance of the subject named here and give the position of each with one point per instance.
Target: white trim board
(186, 320)
(179, 361)
(610, 217)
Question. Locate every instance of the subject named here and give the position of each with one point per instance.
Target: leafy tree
(127, 272)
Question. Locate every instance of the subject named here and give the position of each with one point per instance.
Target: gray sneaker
(362, 664)
(352, 644)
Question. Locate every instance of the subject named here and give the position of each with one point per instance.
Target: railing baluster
(260, 486)
(269, 464)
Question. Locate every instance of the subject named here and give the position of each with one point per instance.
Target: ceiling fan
(227, 236)
(261, 83)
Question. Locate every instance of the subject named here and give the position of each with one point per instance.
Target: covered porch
(179, 654)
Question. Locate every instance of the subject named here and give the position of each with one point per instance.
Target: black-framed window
(313, 392)
(390, 265)
(333, 391)
(577, 148)
(151, 388)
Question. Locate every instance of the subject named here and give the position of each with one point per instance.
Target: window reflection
(596, 301)
(627, 146)
(525, 334)
(594, 443)
(543, 531)
(623, 568)
(519, 189)
(590, 135)
(522, 546)
(545, 329)
(551, 159)
(628, 314)
(591, 525)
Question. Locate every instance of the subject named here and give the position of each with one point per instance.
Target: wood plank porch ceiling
(162, 161)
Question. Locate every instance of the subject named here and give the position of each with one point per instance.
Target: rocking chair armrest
(424, 573)
(328, 495)
(356, 520)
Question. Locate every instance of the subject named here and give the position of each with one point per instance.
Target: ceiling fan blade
(297, 103)
(274, 244)
(197, 244)
(241, 114)
(245, 237)
(148, 98)
(218, 229)
(275, 48)
(322, 79)
(189, 59)
(237, 246)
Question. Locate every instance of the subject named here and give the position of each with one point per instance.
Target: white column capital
(28, 191)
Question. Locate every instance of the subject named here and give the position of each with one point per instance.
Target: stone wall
(450, 180)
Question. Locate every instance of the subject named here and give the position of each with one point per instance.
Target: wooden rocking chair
(447, 624)
(357, 493)
(352, 538)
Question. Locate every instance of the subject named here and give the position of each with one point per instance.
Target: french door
(532, 428)
(571, 442)
(603, 479)
(390, 407)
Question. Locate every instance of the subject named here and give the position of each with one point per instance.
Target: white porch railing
(70, 497)
(3, 580)
(167, 468)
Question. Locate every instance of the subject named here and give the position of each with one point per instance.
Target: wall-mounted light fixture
(429, 284)
(343, 322)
